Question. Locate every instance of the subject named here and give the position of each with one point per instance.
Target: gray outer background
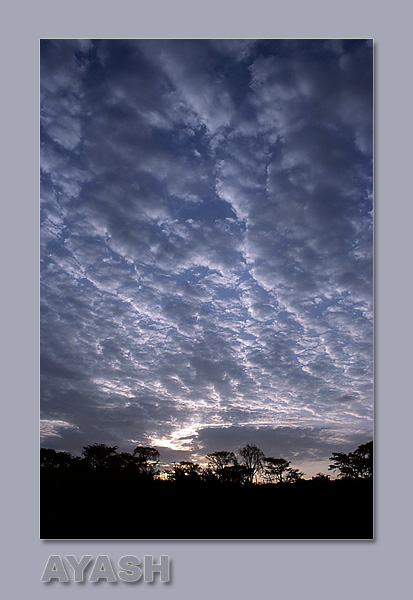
(203, 570)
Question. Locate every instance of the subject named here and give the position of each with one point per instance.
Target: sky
(206, 236)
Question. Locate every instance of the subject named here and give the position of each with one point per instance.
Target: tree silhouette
(221, 463)
(53, 459)
(363, 460)
(221, 458)
(145, 460)
(354, 465)
(253, 459)
(320, 477)
(123, 460)
(99, 456)
(278, 470)
(294, 475)
(235, 474)
(275, 469)
(186, 470)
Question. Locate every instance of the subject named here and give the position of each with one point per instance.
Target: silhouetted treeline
(106, 494)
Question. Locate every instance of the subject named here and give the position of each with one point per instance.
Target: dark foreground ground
(95, 506)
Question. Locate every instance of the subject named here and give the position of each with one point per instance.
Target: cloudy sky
(206, 246)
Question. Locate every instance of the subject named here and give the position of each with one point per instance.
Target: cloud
(206, 238)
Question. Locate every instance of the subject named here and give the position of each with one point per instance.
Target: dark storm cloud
(206, 239)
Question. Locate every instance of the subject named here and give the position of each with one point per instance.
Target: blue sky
(206, 246)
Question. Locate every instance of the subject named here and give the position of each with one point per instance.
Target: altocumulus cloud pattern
(206, 246)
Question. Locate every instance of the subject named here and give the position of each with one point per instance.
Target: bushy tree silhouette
(278, 470)
(186, 470)
(320, 477)
(224, 465)
(235, 474)
(99, 456)
(53, 459)
(294, 475)
(146, 460)
(275, 469)
(354, 465)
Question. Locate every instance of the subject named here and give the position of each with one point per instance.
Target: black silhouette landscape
(110, 495)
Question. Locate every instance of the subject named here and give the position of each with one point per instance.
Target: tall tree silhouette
(253, 459)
